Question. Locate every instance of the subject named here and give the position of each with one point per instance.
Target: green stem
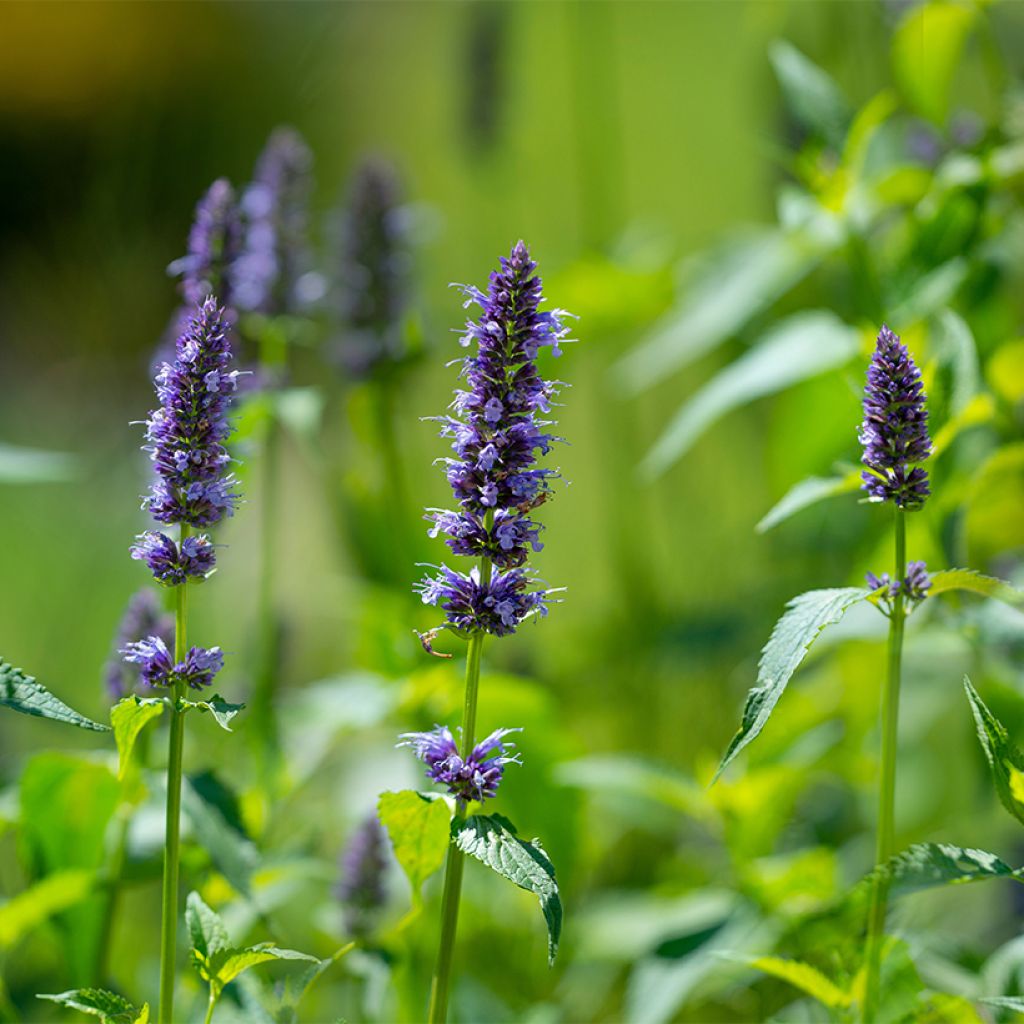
(169, 926)
(112, 891)
(885, 845)
(210, 1007)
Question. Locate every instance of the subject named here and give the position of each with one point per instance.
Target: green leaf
(222, 711)
(805, 617)
(927, 865)
(420, 831)
(1004, 758)
(926, 49)
(29, 909)
(967, 579)
(1015, 1003)
(807, 493)
(128, 717)
(228, 964)
(800, 347)
(97, 1002)
(810, 93)
(738, 280)
(233, 855)
(24, 694)
(492, 840)
(20, 465)
(205, 928)
(802, 976)
(980, 409)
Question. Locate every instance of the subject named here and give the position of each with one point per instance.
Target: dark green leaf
(1005, 760)
(97, 1002)
(420, 831)
(806, 616)
(492, 840)
(222, 711)
(810, 93)
(24, 694)
(205, 928)
(927, 865)
(967, 579)
(233, 855)
(807, 493)
(128, 717)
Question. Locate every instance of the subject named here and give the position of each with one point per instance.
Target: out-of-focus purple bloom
(373, 270)
(474, 778)
(497, 436)
(170, 565)
(895, 428)
(186, 434)
(364, 865)
(875, 583)
(267, 276)
(143, 617)
(914, 586)
(213, 247)
(157, 667)
(472, 606)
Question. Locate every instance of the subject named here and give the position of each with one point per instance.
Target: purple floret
(474, 778)
(157, 667)
(169, 565)
(143, 617)
(213, 247)
(914, 586)
(364, 865)
(472, 606)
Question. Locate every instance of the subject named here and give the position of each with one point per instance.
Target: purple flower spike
(895, 428)
(186, 434)
(170, 566)
(364, 865)
(143, 617)
(914, 586)
(496, 437)
(213, 247)
(475, 778)
(157, 668)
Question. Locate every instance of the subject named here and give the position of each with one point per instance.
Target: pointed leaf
(807, 493)
(420, 831)
(1015, 1003)
(805, 617)
(29, 909)
(128, 717)
(228, 964)
(24, 694)
(97, 1002)
(802, 976)
(205, 928)
(976, 583)
(927, 865)
(810, 93)
(800, 347)
(233, 854)
(1005, 761)
(222, 711)
(492, 840)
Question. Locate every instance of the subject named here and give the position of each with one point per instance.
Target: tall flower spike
(186, 434)
(213, 247)
(476, 777)
(895, 428)
(496, 436)
(364, 865)
(143, 617)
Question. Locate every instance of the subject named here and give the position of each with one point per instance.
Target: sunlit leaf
(228, 964)
(128, 717)
(807, 493)
(1004, 758)
(222, 711)
(810, 93)
(802, 976)
(492, 840)
(1005, 370)
(927, 865)
(1015, 1003)
(802, 346)
(900, 985)
(420, 831)
(22, 693)
(205, 928)
(97, 1002)
(967, 579)
(29, 909)
(805, 617)
(979, 410)
(33, 466)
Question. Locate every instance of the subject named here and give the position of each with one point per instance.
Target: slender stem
(112, 888)
(210, 1007)
(169, 927)
(885, 844)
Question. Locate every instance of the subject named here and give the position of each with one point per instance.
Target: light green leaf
(128, 717)
(24, 694)
(97, 1002)
(807, 493)
(231, 852)
(492, 840)
(931, 292)
(810, 93)
(420, 831)
(228, 964)
(1004, 758)
(802, 976)
(222, 711)
(980, 409)
(959, 351)
(800, 347)
(205, 928)
(805, 617)
(738, 280)
(29, 909)
(20, 465)
(927, 865)
(1015, 1003)
(926, 49)
(967, 579)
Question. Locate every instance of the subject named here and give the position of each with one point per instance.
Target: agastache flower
(186, 434)
(914, 586)
(143, 617)
(895, 428)
(364, 866)
(170, 565)
(474, 778)
(213, 247)
(157, 667)
(496, 438)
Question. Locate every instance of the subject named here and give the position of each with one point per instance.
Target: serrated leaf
(222, 711)
(97, 1002)
(810, 93)
(492, 840)
(128, 717)
(22, 693)
(29, 909)
(205, 928)
(802, 976)
(1006, 762)
(420, 831)
(20, 465)
(927, 865)
(807, 493)
(228, 964)
(805, 617)
(967, 579)
(800, 347)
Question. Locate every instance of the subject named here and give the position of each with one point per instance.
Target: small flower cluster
(496, 436)
(158, 668)
(475, 777)
(914, 586)
(361, 887)
(895, 428)
(143, 617)
(170, 564)
(214, 245)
